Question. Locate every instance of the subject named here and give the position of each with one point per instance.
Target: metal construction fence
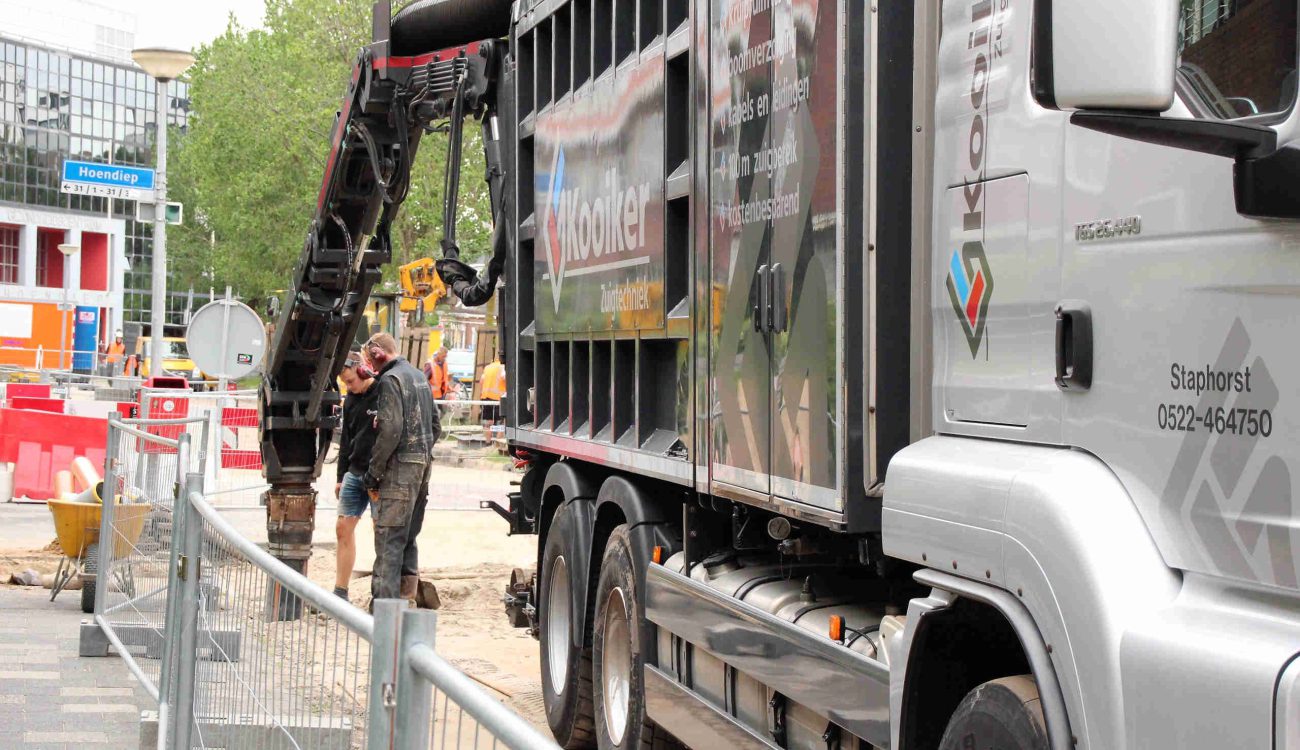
(241, 651)
(130, 572)
(232, 458)
(74, 385)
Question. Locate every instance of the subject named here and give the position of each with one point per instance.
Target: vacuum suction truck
(898, 373)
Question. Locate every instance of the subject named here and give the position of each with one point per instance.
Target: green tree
(262, 107)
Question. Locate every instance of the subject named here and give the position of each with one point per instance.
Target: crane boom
(392, 100)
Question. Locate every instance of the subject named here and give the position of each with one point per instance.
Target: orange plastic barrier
(41, 443)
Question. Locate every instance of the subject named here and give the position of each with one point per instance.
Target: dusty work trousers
(411, 556)
(393, 513)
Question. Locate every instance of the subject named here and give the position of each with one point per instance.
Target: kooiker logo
(970, 284)
(584, 235)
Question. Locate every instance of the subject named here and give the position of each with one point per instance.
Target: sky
(187, 23)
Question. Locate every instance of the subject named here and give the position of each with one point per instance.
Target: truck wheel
(1005, 714)
(619, 660)
(566, 671)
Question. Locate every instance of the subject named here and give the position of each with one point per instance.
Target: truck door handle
(760, 308)
(1073, 346)
(776, 299)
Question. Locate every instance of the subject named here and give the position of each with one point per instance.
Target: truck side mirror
(1113, 62)
(1105, 54)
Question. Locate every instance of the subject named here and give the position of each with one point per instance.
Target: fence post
(187, 633)
(171, 613)
(414, 693)
(383, 673)
(205, 448)
(109, 499)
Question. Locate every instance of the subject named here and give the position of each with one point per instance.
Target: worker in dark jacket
(356, 441)
(407, 427)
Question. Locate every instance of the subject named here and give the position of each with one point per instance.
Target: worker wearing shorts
(356, 442)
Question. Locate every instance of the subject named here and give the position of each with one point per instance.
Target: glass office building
(55, 105)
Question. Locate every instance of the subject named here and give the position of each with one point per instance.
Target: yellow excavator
(422, 289)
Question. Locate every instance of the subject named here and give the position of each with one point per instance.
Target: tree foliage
(262, 107)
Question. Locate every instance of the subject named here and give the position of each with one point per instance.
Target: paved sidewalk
(49, 696)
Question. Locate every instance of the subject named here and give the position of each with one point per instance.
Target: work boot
(428, 598)
(409, 587)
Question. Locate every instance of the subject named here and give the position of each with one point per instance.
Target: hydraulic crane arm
(392, 100)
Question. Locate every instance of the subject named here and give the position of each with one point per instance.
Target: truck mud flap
(852, 690)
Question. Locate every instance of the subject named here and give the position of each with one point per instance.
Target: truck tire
(618, 656)
(1005, 714)
(566, 671)
(89, 565)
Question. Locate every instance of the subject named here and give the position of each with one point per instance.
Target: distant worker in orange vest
(439, 376)
(492, 386)
(116, 351)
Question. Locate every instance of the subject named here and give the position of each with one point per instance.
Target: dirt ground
(469, 557)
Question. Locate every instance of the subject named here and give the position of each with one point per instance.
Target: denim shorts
(353, 498)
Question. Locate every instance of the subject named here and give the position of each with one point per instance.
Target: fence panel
(133, 559)
(282, 663)
(241, 651)
(231, 450)
(445, 709)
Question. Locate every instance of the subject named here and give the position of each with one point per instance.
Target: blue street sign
(108, 175)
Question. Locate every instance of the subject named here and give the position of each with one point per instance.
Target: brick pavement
(52, 698)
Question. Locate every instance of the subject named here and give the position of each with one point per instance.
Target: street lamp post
(163, 65)
(69, 252)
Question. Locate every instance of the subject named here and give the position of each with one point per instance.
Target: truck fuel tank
(805, 594)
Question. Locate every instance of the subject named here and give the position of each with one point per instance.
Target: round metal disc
(226, 339)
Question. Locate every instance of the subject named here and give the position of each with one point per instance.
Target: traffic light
(173, 212)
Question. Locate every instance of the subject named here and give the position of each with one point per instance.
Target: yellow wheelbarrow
(77, 526)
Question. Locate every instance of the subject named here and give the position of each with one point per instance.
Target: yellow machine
(421, 287)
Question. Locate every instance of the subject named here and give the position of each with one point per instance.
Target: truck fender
(567, 485)
(575, 525)
(631, 499)
(907, 654)
(1057, 530)
(648, 527)
(570, 481)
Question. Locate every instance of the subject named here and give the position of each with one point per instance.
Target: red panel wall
(94, 261)
(49, 266)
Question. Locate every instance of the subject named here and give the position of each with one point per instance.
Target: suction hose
(430, 25)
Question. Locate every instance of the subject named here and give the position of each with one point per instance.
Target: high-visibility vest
(115, 351)
(493, 385)
(440, 380)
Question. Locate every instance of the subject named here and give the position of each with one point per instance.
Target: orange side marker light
(837, 628)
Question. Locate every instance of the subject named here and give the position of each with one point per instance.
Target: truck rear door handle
(1073, 346)
(776, 299)
(761, 307)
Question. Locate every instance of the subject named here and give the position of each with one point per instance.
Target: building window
(8, 255)
(1238, 57)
